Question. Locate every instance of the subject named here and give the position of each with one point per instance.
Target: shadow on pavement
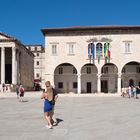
(59, 120)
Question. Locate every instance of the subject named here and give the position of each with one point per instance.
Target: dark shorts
(21, 94)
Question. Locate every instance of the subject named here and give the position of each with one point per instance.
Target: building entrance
(88, 87)
(104, 86)
(8, 73)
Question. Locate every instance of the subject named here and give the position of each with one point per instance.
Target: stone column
(98, 82)
(17, 63)
(2, 65)
(119, 83)
(14, 69)
(79, 83)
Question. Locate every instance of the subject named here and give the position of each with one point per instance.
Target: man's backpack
(21, 90)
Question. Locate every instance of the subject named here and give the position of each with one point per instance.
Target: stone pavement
(84, 117)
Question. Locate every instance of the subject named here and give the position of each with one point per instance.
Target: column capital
(99, 75)
(119, 75)
(79, 74)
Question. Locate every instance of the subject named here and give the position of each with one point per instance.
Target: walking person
(123, 92)
(21, 93)
(47, 96)
(17, 91)
(55, 97)
(129, 91)
(137, 92)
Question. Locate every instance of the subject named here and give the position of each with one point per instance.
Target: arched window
(91, 50)
(99, 50)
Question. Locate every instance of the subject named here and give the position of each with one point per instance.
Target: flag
(93, 50)
(89, 50)
(106, 50)
(98, 52)
(109, 52)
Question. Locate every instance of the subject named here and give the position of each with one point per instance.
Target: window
(39, 48)
(127, 47)
(74, 70)
(37, 54)
(37, 63)
(60, 85)
(74, 84)
(71, 49)
(138, 69)
(88, 70)
(37, 75)
(54, 49)
(105, 70)
(35, 48)
(32, 48)
(99, 50)
(91, 50)
(60, 70)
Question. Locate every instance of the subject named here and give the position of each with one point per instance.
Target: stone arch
(109, 72)
(89, 78)
(65, 78)
(131, 72)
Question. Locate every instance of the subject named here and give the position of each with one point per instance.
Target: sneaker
(49, 126)
(55, 123)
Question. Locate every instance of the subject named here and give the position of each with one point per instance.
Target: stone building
(39, 65)
(16, 63)
(92, 59)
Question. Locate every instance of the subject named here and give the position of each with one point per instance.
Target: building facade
(39, 65)
(16, 63)
(92, 59)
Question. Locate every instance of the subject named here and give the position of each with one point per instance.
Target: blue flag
(93, 50)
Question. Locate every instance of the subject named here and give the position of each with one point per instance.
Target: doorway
(104, 86)
(88, 87)
(131, 82)
(8, 73)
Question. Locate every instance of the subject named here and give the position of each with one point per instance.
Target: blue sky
(23, 19)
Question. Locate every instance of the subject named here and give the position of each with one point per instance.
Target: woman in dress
(48, 96)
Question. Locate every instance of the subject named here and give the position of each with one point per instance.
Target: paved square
(80, 118)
